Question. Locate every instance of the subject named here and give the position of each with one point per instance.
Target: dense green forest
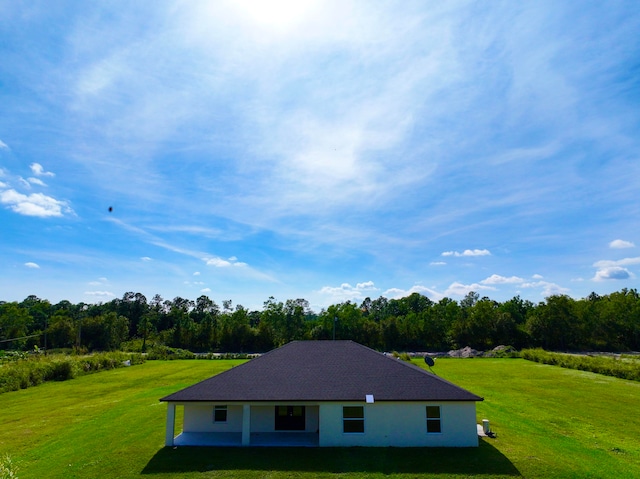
(413, 323)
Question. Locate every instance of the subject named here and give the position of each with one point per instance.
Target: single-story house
(324, 393)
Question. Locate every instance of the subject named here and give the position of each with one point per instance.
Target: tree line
(414, 323)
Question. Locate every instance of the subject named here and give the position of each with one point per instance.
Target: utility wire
(23, 337)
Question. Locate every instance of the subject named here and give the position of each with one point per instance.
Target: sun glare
(277, 14)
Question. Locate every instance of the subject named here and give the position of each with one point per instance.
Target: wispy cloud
(620, 262)
(468, 252)
(36, 181)
(32, 265)
(326, 139)
(100, 294)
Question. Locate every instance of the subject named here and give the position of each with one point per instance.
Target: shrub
(36, 369)
(609, 366)
(166, 353)
(502, 352)
(62, 370)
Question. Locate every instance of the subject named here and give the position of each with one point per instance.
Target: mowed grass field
(550, 422)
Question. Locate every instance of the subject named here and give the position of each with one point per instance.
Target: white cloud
(218, 263)
(537, 276)
(205, 290)
(197, 273)
(438, 263)
(104, 294)
(346, 291)
(548, 289)
(146, 258)
(38, 170)
(621, 262)
(35, 204)
(3, 145)
(32, 265)
(397, 293)
(612, 272)
(497, 279)
(459, 289)
(468, 252)
(36, 181)
(223, 263)
(620, 244)
(366, 286)
(614, 269)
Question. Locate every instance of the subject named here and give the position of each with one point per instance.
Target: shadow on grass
(484, 459)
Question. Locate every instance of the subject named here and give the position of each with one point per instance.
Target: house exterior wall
(400, 424)
(198, 417)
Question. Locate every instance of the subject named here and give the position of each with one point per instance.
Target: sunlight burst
(277, 14)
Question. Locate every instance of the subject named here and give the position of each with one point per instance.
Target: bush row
(167, 353)
(37, 369)
(610, 366)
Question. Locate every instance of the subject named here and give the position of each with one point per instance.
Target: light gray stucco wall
(401, 424)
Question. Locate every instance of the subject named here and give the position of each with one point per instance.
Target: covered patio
(258, 439)
(207, 424)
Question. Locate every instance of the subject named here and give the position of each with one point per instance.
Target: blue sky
(321, 150)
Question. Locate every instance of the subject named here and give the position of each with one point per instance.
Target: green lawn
(551, 422)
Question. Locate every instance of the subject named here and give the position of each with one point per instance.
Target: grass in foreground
(551, 422)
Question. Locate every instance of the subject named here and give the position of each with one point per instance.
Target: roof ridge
(324, 370)
(413, 367)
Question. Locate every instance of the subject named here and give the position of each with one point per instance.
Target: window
(433, 420)
(220, 414)
(352, 419)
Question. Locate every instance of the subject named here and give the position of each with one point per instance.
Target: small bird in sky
(110, 209)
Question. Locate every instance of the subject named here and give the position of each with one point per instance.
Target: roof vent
(369, 398)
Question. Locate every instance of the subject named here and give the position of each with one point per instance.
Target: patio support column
(171, 423)
(246, 424)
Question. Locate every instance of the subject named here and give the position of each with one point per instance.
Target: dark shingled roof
(323, 371)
